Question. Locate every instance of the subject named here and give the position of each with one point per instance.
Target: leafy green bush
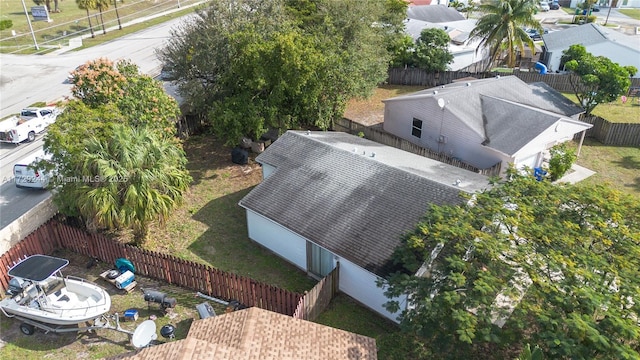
(5, 24)
(562, 158)
(579, 19)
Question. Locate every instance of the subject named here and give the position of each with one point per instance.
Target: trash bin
(539, 173)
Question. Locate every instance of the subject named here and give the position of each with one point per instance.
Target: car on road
(544, 6)
(534, 34)
(595, 7)
(28, 173)
(25, 126)
(553, 5)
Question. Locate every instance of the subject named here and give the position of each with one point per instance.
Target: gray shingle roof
(463, 99)
(354, 205)
(587, 34)
(434, 13)
(501, 117)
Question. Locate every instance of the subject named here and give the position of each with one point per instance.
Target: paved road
(26, 79)
(627, 25)
(13, 201)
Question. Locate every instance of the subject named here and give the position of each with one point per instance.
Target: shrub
(579, 19)
(5, 24)
(562, 158)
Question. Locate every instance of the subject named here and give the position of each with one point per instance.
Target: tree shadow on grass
(631, 163)
(226, 246)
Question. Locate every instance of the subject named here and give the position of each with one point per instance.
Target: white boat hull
(72, 302)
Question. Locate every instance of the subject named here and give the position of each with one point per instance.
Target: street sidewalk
(76, 42)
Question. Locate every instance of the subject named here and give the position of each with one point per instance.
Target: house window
(416, 130)
(320, 261)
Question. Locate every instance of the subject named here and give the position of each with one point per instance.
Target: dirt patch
(370, 111)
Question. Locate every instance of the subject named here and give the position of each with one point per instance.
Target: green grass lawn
(633, 13)
(617, 166)
(616, 111)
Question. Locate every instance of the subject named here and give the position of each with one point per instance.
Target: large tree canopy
(432, 50)
(114, 151)
(599, 80)
(526, 262)
(501, 27)
(251, 65)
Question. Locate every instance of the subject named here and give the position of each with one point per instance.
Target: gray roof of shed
(356, 206)
(434, 13)
(587, 34)
(463, 99)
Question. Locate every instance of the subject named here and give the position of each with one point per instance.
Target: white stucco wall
(267, 170)
(461, 142)
(361, 285)
(464, 56)
(617, 53)
(356, 282)
(276, 238)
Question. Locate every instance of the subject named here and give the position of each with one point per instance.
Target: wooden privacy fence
(383, 137)
(608, 133)
(316, 300)
(198, 277)
(420, 77)
(189, 125)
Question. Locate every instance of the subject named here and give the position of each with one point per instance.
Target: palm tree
(102, 5)
(502, 28)
(86, 5)
(130, 180)
(115, 4)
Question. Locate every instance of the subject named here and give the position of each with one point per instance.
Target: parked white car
(544, 6)
(25, 126)
(28, 175)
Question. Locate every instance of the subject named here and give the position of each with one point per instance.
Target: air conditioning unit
(442, 139)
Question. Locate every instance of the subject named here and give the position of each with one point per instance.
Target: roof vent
(457, 182)
(373, 154)
(497, 76)
(308, 132)
(355, 150)
(435, 92)
(468, 84)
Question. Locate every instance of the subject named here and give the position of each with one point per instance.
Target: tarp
(123, 265)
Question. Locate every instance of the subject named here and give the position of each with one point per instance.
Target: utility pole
(33, 35)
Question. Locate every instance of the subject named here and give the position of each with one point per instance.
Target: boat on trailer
(39, 292)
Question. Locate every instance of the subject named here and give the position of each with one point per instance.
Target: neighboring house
(259, 334)
(329, 197)
(463, 49)
(485, 122)
(598, 40)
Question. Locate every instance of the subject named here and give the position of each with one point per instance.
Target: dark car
(535, 34)
(554, 5)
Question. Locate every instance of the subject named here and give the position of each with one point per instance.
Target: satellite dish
(144, 334)
(441, 103)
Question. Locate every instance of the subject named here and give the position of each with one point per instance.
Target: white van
(27, 176)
